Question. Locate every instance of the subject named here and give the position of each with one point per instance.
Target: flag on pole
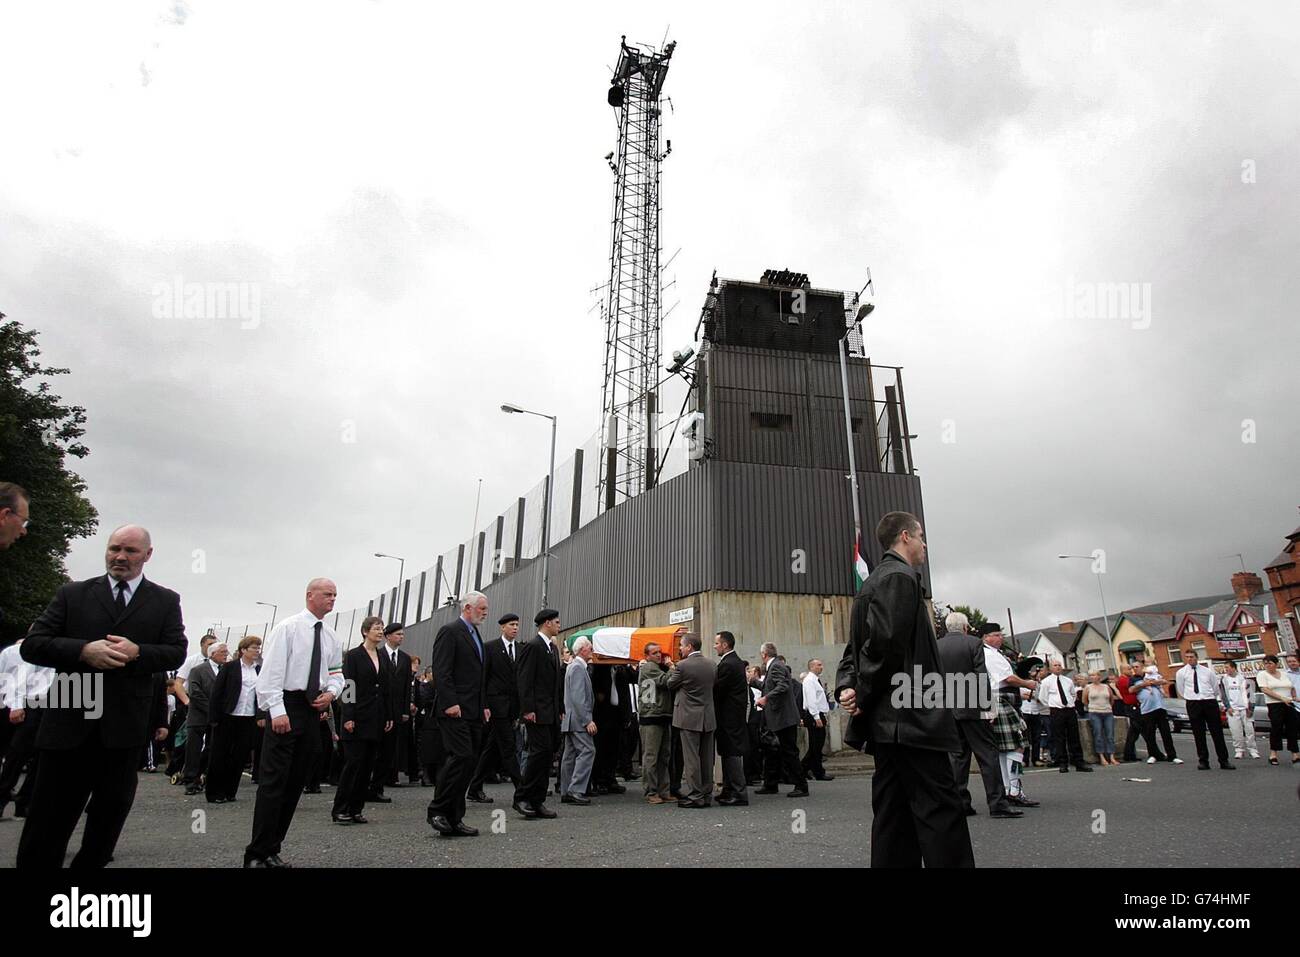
(861, 567)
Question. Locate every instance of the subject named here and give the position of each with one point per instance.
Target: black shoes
(1005, 811)
(344, 819)
(478, 797)
(1225, 766)
(542, 811)
(440, 824)
(461, 829)
(1019, 800)
(311, 790)
(826, 777)
(524, 809)
(733, 802)
(798, 793)
(1083, 767)
(378, 799)
(575, 799)
(190, 789)
(691, 804)
(767, 790)
(272, 860)
(360, 819)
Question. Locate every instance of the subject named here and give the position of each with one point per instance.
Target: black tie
(121, 599)
(511, 646)
(1196, 681)
(1061, 688)
(313, 673)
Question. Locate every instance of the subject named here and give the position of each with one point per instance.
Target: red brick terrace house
(1284, 579)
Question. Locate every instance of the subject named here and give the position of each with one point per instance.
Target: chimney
(1066, 626)
(1246, 585)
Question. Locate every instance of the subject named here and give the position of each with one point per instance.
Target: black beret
(546, 614)
(507, 619)
(989, 627)
(395, 626)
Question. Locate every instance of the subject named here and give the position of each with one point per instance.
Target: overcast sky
(420, 198)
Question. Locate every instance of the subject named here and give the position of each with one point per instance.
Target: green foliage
(37, 433)
(974, 615)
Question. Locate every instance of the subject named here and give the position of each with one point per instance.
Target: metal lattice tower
(631, 311)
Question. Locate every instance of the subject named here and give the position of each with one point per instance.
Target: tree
(37, 433)
(973, 615)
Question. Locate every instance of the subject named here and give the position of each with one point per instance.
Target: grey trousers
(575, 766)
(656, 764)
(733, 777)
(697, 765)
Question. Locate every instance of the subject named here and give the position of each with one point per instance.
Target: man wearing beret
(541, 707)
(501, 685)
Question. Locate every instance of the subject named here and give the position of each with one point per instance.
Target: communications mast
(631, 310)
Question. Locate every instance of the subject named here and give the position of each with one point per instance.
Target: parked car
(1262, 725)
(1176, 708)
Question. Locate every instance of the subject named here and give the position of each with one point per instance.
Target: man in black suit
(917, 813)
(612, 711)
(961, 654)
(393, 748)
(197, 720)
(780, 704)
(108, 636)
(458, 657)
(541, 699)
(501, 684)
(731, 704)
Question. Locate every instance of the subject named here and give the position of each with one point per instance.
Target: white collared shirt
(183, 672)
(814, 696)
(509, 646)
(286, 659)
(1206, 680)
(392, 653)
(1050, 694)
(21, 681)
(132, 587)
(246, 706)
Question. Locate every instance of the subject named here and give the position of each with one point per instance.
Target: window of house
(1094, 661)
(1175, 655)
(771, 421)
(1199, 648)
(1254, 645)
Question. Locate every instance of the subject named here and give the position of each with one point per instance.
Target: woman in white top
(233, 713)
(1282, 715)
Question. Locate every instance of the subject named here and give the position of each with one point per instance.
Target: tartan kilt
(1008, 727)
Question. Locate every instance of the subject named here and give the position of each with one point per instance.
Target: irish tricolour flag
(860, 567)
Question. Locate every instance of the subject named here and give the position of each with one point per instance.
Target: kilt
(1008, 726)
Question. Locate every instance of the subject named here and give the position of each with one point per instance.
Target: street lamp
(401, 574)
(550, 489)
(1114, 658)
(274, 608)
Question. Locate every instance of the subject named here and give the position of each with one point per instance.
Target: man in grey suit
(578, 728)
(199, 685)
(695, 718)
(781, 717)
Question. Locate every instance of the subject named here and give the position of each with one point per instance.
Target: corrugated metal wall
(722, 525)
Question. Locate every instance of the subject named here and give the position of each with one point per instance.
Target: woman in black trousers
(367, 714)
(232, 710)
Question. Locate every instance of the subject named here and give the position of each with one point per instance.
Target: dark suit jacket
(371, 707)
(225, 690)
(731, 699)
(199, 687)
(782, 707)
(82, 612)
(962, 655)
(540, 689)
(399, 683)
(891, 633)
(500, 682)
(458, 670)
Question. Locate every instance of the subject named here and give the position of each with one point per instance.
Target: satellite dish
(615, 96)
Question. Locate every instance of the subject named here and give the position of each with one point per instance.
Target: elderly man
(112, 632)
(781, 718)
(458, 656)
(1008, 726)
(197, 721)
(917, 812)
(694, 716)
(578, 728)
(962, 657)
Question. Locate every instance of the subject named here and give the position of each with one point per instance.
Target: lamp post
(1114, 658)
(274, 608)
(401, 574)
(550, 494)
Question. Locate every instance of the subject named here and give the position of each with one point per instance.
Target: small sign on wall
(681, 615)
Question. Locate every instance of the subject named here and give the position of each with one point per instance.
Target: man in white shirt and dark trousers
(816, 712)
(302, 674)
(1058, 693)
(1198, 685)
(1238, 700)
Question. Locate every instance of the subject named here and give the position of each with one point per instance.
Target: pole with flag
(861, 568)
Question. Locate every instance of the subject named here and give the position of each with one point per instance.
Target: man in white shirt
(1057, 692)
(302, 674)
(205, 643)
(1239, 702)
(816, 709)
(23, 688)
(1198, 685)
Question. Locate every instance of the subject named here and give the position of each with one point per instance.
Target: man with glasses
(15, 509)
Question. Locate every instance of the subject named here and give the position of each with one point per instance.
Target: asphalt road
(1181, 817)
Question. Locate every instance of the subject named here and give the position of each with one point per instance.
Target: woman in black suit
(367, 714)
(232, 710)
